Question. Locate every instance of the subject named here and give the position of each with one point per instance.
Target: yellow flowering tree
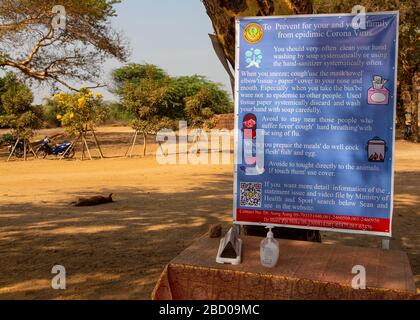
(79, 113)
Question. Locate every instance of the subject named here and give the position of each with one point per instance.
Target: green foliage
(182, 88)
(50, 110)
(7, 139)
(16, 110)
(134, 73)
(199, 108)
(144, 96)
(118, 113)
(158, 100)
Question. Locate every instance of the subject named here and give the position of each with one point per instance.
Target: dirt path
(117, 251)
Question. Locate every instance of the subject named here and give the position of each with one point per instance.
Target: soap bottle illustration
(378, 94)
(269, 250)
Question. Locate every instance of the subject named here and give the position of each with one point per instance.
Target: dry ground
(117, 251)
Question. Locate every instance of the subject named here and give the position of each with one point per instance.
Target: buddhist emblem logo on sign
(253, 33)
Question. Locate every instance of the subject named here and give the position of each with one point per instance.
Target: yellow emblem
(253, 32)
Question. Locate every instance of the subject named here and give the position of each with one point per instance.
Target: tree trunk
(144, 143)
(415, 105)
(24, 149)
(222, 14)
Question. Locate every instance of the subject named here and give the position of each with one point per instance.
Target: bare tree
(33, 44)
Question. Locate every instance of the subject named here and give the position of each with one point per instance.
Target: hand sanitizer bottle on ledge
(269, 250)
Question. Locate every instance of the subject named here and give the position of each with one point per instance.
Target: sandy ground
(118, 251)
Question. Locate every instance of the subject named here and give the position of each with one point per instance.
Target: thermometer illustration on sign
(253, 146)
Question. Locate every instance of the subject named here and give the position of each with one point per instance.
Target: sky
(172, 34)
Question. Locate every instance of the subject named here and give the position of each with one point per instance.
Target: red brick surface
(225, 121)
(305, 271)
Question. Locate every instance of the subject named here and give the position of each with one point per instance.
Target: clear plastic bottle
(269, 250)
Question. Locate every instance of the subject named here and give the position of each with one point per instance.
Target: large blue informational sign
(315, 107)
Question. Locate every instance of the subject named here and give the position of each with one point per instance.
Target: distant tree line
(149, 100)
(157, 101)
(37, 51)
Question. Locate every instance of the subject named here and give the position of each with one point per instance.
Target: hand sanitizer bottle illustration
(378, 94)
(269, 250)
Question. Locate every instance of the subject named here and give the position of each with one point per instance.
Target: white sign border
(236, 130)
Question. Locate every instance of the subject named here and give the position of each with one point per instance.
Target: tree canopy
(149, 92)
(142, 88)
(31, 44)
(184, 87)
(157, 100)
(16, 109)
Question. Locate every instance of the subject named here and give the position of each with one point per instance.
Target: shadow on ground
(114, 251)
(118, 251)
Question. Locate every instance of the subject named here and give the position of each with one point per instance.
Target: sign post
(315, 117)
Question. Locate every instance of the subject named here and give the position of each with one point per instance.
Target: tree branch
(30, 44)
